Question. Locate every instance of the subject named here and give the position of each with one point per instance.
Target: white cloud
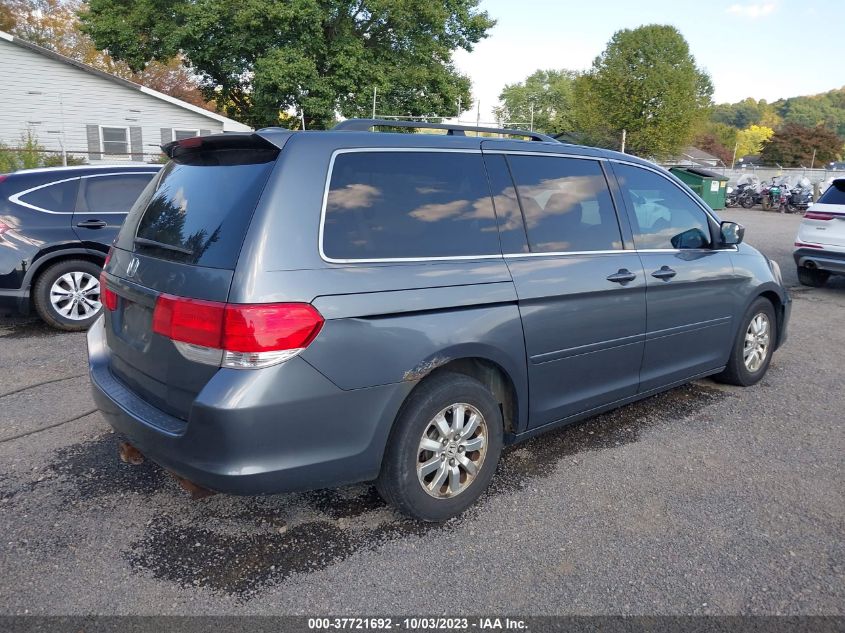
(753, 10)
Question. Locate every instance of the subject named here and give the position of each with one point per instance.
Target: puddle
(245, 544)
(93, 470)
(236, 563)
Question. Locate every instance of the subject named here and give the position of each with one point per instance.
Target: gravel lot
(707, 499)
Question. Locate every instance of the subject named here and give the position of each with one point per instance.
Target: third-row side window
(409, 204)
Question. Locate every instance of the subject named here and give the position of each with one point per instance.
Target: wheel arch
(489, 373)
(44, 260)
(779, 304)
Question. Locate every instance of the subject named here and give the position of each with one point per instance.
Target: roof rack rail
(365, 125)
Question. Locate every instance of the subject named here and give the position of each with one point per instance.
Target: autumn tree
(646, 82)
(751, 140)
(261, 58)
(794, 145)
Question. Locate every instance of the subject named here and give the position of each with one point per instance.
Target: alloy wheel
(76, 295)
(452, 450)
(756, 342)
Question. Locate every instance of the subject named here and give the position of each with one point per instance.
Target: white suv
(820, 243)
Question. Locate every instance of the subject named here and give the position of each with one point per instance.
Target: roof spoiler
(228, 141)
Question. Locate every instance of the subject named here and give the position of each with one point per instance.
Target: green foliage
(55, 160)
(550, 94)
(718, 139)
(27, 155)
(260, 58)
(793, 146)
(646, 82)
(826, 109)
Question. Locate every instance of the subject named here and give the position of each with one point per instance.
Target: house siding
(74, 103)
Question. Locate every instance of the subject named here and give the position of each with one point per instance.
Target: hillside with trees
(799, 131)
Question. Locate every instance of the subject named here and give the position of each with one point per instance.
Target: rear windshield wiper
(142, 241)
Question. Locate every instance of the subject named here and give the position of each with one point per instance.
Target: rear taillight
(107, 297)
(820, 215)
(805, 245)
(241, 336)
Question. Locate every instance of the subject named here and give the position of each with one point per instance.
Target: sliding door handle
(665, 273)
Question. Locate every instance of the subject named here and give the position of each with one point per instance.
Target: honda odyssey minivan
(297, 310)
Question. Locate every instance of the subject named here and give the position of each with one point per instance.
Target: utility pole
(459, 109)
(813, 162)
(375, 91)
(478, 115)
(624, 135)
(733, 160)
(302, 115)
(531, 129)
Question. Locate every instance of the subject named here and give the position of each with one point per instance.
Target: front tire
(812, 277)
(443, 450)
(67, 295)
(753, 347)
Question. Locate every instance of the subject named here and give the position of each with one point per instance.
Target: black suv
(56, 226)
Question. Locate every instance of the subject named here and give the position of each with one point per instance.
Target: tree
(750, 141)
(646, 82)
(717, 138)
(53, 24)
(260, 58)
(546, 97)
(793, 146)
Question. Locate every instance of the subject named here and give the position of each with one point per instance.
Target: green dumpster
(710, 186)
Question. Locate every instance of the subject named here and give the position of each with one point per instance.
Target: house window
(178, 135)
(115, 140)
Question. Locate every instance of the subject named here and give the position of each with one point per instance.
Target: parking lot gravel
(704, 500)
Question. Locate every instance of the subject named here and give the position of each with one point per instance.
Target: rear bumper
(280, 429)
(821, 259)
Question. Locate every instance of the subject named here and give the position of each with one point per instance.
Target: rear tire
(753, 347)
(747, 202)
(67, 295)
(432, 474)
(812, 277)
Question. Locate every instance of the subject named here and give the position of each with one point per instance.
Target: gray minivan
(296, 310)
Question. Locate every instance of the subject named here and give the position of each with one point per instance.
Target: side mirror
(732, 233)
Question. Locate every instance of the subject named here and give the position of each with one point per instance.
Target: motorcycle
(745, 194)
(775, 196)
(799, 200)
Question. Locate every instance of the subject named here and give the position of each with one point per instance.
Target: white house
(74, 107)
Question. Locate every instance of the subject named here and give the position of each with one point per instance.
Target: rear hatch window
(835, 194)
(199, 212)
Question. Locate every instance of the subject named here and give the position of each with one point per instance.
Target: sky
(765, 49)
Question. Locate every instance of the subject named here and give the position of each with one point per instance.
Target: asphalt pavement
(704, 500)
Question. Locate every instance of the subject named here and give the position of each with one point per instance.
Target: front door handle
(665, 273)
(91, 224)
(623, 276)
